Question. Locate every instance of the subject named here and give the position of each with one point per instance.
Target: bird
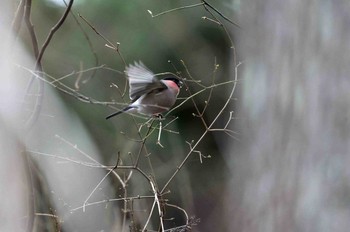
(149, 95)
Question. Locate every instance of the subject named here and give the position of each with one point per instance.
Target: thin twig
(211, 90)
(205, 132)
(112, 200)
(55, 218)
(179, 208)
(38, 56)
(203, 2)
(54, 30)
(230, 96)
(28, 166)
(99, 183)
(59, 157)
(195, 104)
(67, 90)
(198, 152)
(30, 27)
(17, 21)
(27, 18)
(175, 9)
(156, 199)
(149, 216)
(218, 12)
(109, 43)
(78, 149)
(159, 135)
(93, 160)
(211, 20)
(80, 75)
(142, 145)
(197, 93)
(125, 205)
(89, 43)
(46, 215)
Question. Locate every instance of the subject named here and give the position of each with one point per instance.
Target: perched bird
(149, 95)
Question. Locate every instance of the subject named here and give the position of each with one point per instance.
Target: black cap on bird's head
(177, 81)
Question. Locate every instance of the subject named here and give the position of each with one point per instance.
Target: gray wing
(142, 81)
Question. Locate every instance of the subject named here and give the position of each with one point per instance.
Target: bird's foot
(158, 116)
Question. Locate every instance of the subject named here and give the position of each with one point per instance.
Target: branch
(175, 9)
(89, 43)
(109, 43)
(53, 31)
(30, 27)
(38, 56)
(17, 21)
(205, 132)
(219, 13)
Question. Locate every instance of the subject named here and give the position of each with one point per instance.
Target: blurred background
(276, 160)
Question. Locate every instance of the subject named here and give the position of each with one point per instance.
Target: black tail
(119, 112)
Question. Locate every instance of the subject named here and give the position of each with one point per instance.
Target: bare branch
(53, 31)
(109, 43)
(156, 199)
(111, 200)
(175, 9)
(149, 216)
(17, 21)
(89, 43)
(205, 132)
(218, 12)
(179, 208)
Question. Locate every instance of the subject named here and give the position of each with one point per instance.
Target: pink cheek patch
(171, 84)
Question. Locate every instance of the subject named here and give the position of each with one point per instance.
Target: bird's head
(176, 80)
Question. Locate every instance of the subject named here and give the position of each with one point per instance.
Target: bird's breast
(156, 102)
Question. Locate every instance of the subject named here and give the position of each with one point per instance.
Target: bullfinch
(149, 96)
